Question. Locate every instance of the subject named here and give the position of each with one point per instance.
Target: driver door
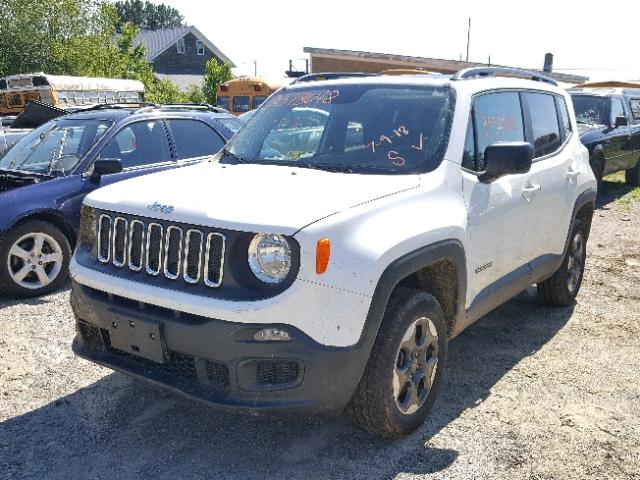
(143, 148)
(498, 213)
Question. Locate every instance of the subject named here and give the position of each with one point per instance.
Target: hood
(584, 128)
(11, 179)
(248, 197)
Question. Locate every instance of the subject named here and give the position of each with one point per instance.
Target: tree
(38, 35)
(147, 15)
(215, 74)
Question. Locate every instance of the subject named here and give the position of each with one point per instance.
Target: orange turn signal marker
(323, 253)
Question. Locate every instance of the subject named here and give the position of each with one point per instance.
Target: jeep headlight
(88, 227)
(270, 258)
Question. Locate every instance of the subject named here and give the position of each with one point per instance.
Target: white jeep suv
(346, 233)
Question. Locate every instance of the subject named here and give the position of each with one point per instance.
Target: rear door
(554, 173)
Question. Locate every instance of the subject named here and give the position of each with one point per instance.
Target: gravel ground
(531, 393)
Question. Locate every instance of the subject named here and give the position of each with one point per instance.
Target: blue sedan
(46, 175)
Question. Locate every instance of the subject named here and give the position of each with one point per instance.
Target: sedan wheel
(35, 260)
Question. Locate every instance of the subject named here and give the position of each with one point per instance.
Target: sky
(600, 40)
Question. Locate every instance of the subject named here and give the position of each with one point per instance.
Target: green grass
(632, 196)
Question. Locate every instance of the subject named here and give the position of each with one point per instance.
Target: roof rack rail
(493, 71)
(103, 106)
(312, 77)
(194, 106)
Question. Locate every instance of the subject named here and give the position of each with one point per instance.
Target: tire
(563, 286)
(381, 404)
(34, 259)
(632, 176)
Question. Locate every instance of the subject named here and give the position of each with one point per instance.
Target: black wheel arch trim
(404, 266)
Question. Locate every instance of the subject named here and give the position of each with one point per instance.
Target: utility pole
(468, 38)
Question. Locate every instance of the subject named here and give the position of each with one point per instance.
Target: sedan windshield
(590, 109)
(351, 128)
(55, 147)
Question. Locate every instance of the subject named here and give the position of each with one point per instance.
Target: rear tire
(563, 286)
(34, 259)
(406, 367)
(632, 176)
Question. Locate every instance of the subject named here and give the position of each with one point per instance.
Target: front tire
(563, 286)
(34, 259)
(406, 367)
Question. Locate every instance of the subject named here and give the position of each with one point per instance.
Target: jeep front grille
(192, 255)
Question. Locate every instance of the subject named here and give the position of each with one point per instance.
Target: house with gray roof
(180, 54)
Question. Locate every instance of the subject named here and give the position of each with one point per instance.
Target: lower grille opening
(179, 368)
(277, 372)
(217, 374)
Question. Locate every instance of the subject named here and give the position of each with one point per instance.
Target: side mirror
(621, 121)
(505, 158)
(106, 166)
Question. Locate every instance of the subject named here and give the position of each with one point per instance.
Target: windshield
(590, 109)
(55, 147)
(352, 128)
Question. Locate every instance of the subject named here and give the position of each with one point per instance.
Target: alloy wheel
(35, 260)
(416, 365)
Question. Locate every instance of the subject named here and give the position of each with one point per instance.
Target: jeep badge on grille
(157, 207)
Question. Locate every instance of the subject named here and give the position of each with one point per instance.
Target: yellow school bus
(245, 93)
(61, 91)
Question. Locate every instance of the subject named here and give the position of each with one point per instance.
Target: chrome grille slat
(172, 252)
(136, 245)
(153, 254)
(194, 255)
(119, 245)
(104, 244)
(192, 267)
(214, 260)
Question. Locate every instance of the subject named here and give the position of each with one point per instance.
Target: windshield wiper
(236, 157)
(326, 167)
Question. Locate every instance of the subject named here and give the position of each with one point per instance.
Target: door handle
(529, 190)
(571, 173)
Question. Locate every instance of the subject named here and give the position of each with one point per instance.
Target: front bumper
(218, 361)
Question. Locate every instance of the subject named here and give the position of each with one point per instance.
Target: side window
(617, 109)
(142, 143)
(194, 139)
(469, 154)
(565, 122)
(180, 45)
(258, 100)
(498, 118)
(544, 123)
(634, 104)
(199, 47)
